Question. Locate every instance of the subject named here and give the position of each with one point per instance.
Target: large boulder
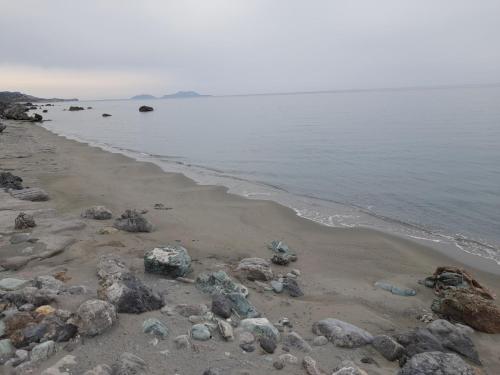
(170, 260)
(97, 213)
(255, 269)
(10, 181)
(133, 221)
(465, 306)
(432, 363)
(95, 317)
(123, 289)
(145, 108)
(342, 334)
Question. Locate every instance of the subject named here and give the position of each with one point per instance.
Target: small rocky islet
(34, 329)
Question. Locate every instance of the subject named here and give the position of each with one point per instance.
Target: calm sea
(419, 163)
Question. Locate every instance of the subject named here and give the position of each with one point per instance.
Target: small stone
(342, 334)
(130, 364)
(200, 332)
(181, 342)
(294, 340)
(279, 364)
(10, 284)
(97, 213)
(320, 341)
(155, 327)
(247, 347)
(212, 371)
(24, 221)
(49, 282)
(289, 358)
(246, 338)
(222, 305)
(226, 330)
(107, 230)
(388, 347)
(277, 286)
(133, 221)
(311, 366)
(260, 327)
(45, 310)
(43, 351)
(30, 194)
(255, 269)
(268, 344)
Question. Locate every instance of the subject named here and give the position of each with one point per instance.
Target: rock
(454, 338)
(294, 340)
(17, 112)
(133, 221)
(277, 286)
(212, 371)
(388, 347)
(145, 108)
(19, 238)
(279, 364)
(405, 292)
(100, 370)
(95, 316)
(30, 194)
(268, 344)
(97, 213)
(10, 181)
(280, 247)
(431, 363)
(75, 108)
(50, 283)
(226, 330)
(292, 287)
(219, 282)
(31, 295)
(342, 334)
(2, 127)
(186, 310)
(311, 366)
(155, 327)
(106, 115)
(260, 327)
(43, 351)
(249, 348)
(13, 284)
(289, 358)
(170, 260)
(181, 342)
(24, 221)
(200, 332)
(281, 259)
(320, 341)
(348, 368)
(45, 310)
(37, 117)
(107, 230)
(129, 364)
(6, 349)
(222, 305)
(469, 308)
(242, 306)
(123, 289)
(418, 341)
(255, 269)
(67, 365)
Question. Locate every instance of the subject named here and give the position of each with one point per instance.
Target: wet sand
(338, 266)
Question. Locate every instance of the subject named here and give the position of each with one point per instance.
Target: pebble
(279, 364)
(289, 358)
(200, 332)
(155, 327)
(320, 341)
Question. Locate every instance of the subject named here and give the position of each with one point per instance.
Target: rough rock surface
(145, 108)
(255, 269)
(97, 213)
(170, 260)
(311, 366)
(388, 347)
(432, 363)
(30, 194)
(24, 221)
(260, 327)
(155, 327)
(10, 181)
(294, 340)
(341, 333)
(133, 221)
(130, 364)
(95, 316)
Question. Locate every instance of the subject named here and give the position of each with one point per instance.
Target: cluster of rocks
(19, 112)
(14, 185)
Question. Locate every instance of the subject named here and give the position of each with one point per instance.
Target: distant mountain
(16, 97)
(183, 94)
(143, 97)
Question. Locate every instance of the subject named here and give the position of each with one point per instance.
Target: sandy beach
(338, 267)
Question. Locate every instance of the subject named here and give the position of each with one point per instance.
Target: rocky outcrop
(133, 221)
(75, 108)
(342, 334)
(17, 112)
(123, 289)
(145, 108)
(170, 260)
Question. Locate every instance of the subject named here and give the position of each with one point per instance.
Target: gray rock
(348, 368)
(181, 342)
(400, 291)
(279, 247)
(388, 347)
(6, 349)
(289, 358)
(277, 286)
(311, 366)
(418, 341)
(30, 194)
(222, 305)
(145, 108)
(65, 366)
(281, 259)
(279, 364)
(342, 334)
(133, 221)
(17, 238)
(260, 327)
(292, 287)
(10, 181)
(155, 327)
(170, 260)
(49, 282)
(320, 341)
(187, 310)
(212, 371)
(11, 284)
(43, 351)
(31, 295)
(100, 370)
(432, 363)
(130, 364)
(268, 344)
(294, 340)
(24, 221)
(97, 213)
(454, 338)
(219, 282)
(255, 269)
(95, 316)
(2, 127)
(242, 306)
(200, 332)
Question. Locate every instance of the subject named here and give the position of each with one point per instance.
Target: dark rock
(145, 108)
(130, 364)
(37, 117)
(24, 221)
(10, 181)
(431, 363)
(222, 305)
(292, 287)
(281, 259)
(246, 347)
(31, 295)
(279, 364)
(294, 340)
(242, 306)
(212, 371)
(170, 260)
(418, 341)
(388, 347)
(133, 221)
(268, 344)
(45, 111)
(279, 247)
(2, 127)
(106, 115)
(75, 108)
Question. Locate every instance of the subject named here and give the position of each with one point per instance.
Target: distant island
(18, 97)
(177, 95)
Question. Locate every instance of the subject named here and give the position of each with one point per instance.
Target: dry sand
(338, 266)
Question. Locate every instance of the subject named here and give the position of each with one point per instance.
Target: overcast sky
(119, 48)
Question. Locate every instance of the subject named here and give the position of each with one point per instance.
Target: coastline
(338, 265)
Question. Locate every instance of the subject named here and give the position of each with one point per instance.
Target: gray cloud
(242, 46)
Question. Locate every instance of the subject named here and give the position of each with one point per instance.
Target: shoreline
(338, 266)
(450, 250)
